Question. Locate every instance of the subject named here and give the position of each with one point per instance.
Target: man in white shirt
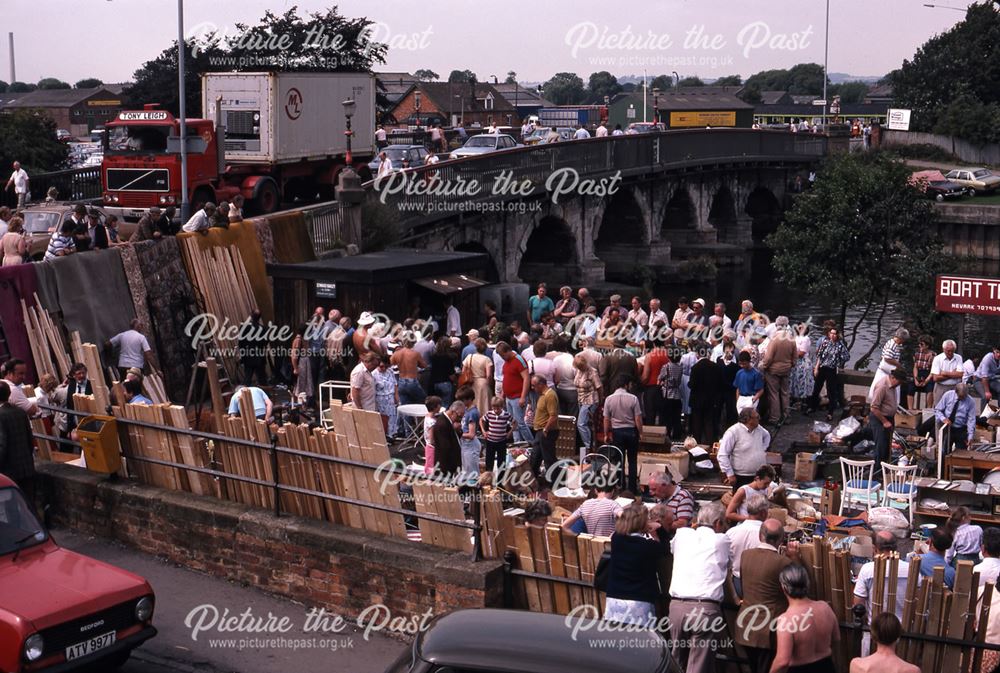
(19, 180)
(380, 136)
(363, 383)
(743, 449)
(946, 368)
(202, 220)
(701, 563)
(384, 166)
(453, 323)
(658, 317)
(602, 131)
(133, 349)
(720, 311)
(746, 535)
(14, 372)
(989, 567)
(864, 586)
(581, 133)
(637, 315)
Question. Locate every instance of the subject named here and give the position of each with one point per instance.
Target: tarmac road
(180, 593)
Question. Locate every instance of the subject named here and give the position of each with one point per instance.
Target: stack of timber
(929, 607)
(48, 350)
(552, 551)
(224, 292)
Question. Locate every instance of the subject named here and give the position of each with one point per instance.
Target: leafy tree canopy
(458, 76)
(52, 83)
(30, 138)
(691, 81)
(859, 236)
(21, 87)
(88, 83)
(728, 80)
(662, 82)
(319, 42)
(565, 88)
(426, 75)
(962, 64)
(3, 86)
(511, 77)
(603, 84)
(804, 78)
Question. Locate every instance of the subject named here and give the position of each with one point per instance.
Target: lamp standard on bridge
(181, 44)
(656, 105)
(349, 107)
(826, 60)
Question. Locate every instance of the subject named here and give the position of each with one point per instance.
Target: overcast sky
(109, 39)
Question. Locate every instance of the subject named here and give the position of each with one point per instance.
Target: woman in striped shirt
(497, 428)
(588, 394)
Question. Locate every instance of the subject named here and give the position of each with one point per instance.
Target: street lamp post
(677, 80)
(185, 205)
(349, 107)
(461, 104)
(826, 60)
(349, 193)
(656, 105)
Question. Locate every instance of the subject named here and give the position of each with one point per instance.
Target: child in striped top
(498, 429)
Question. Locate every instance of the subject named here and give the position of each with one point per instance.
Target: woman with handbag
(477, 371)
(632, 585)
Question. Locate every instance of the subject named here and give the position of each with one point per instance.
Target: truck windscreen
(138, 139)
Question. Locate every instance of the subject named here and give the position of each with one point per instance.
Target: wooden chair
(858, 483)
(899, 486)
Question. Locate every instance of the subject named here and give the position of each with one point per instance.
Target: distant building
(880, 94)
(446, 103)
(775, 98)
(78, 111)
(692, 107)
(526, 100)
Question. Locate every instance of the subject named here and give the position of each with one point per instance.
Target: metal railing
(277, 486)
(325, 222)
(629, 155)
(73, 184)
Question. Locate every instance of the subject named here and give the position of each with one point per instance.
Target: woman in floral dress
(802, 374)
(386, 396)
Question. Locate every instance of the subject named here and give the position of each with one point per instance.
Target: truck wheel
(267, 199)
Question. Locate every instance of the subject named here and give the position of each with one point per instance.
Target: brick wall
(342, 569)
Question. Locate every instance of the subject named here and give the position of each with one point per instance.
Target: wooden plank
(45, 447)
(986, 600)
(935, 614)
(836, 588)
(554, 537)
(215, 389)
(958, 616)
(571, 566)
(914, 649)
(910, 602)
(878, 586)
(526, 561)
(540, 553)
(893, 563)
(587, 567)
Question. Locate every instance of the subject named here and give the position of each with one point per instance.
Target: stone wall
(321, 564)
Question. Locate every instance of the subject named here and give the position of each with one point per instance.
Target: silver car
(484, 144)
(975, 180)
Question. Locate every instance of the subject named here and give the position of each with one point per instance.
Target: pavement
(186, 605)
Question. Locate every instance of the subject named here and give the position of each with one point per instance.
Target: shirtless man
(409, 362)
(807, 630)
(885, 630)
(363, 341)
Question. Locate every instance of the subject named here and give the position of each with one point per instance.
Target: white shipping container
(277, 118)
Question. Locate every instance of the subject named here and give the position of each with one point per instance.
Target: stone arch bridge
(592, 210)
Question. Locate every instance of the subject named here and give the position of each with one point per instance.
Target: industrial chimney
(10, 40)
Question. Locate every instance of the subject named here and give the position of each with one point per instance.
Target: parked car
(485, 143)
(401, 156)
(59, 610)
(645, 127)
(935, 186)
(511, 641)
(536, 136)
(43, 219)
(63, 135)
(975, 180)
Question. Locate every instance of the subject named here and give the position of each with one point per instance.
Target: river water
(758, 284)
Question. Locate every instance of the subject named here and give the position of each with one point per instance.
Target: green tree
(511, 77)
(156, 80)
(426, 75)
(849, 92)
(3, 86)
(323, 41)
(52, 83)
(461, 76)
(31, 139)
(691, 82)
(662, 82)
(855, 237)
(961, 63)
(88, 83)
(603, 84)
(968, 117)
(21, 87)
(804, 78)
(565, 88)
(729, 80)
(751, 93)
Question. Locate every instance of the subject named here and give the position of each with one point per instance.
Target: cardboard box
(653, 434)
(779, 513)
(679, 462)
(906, 420)
(805, 467)
(774, 460)
(987, 435)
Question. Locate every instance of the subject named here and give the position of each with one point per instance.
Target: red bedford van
(59, 610)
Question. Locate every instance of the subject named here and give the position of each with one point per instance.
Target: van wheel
(939, 198)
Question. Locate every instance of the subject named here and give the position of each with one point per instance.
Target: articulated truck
(283, 139)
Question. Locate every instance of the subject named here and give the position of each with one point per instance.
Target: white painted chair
(858, 483)
(899, 487)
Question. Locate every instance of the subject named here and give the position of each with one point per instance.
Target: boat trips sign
(967, 294)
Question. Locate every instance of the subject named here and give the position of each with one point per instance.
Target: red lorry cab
(59, 610)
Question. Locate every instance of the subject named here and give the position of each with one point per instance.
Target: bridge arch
(550, 253)
(764, 209)
(680, 212)
(492, 274)
(722, 215)
(622, 237)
